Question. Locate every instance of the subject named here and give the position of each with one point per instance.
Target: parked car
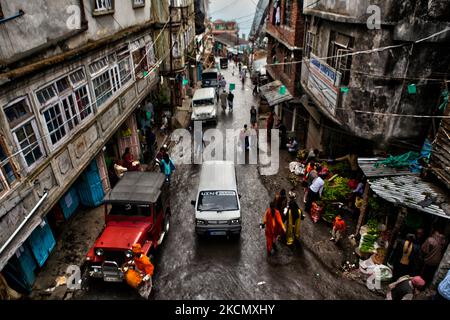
(137, 210)
(204, 105)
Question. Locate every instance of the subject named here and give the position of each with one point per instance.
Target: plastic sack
(297, 168)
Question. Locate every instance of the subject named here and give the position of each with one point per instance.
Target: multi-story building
(367, 65)
(179, 67)
(221, 26)
(285, 33)
(73, 78)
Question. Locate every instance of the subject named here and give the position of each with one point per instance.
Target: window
(98, 66)
(311, 44)
(55, 123)
(23, 126)
(287, 61)
(103, 6)
(287, 12)
(102, 88)
(47, 94)
(28, 143)
(138, 3)
(66, 103)
(140, 61)
(340, 46)
(7, 174)
(111, 73)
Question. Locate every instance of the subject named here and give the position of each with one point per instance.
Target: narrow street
(192, 268)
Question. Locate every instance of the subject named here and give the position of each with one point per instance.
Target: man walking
(230, 98)
(432, 251)
(338, 229)
(314, 192)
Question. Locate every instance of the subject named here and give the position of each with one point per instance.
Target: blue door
(19, 272)
(69, 202)
(90, 187)
(42, 243)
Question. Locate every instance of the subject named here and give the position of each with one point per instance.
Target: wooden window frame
(97, 12)
(137, 6)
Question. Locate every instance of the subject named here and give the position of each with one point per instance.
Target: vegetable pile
(368, 240)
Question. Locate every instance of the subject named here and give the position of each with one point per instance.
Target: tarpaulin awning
(271, 92)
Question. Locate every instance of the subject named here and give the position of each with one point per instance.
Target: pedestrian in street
(243, 79)
(274, 227)
(269, 126)
(165, 124)
(314, 192)
(308, 178)
(405, 288)
(443, 289)
(160, 156)
(230, 98)
(243, 137)
(338, 229)
(150, 139)
(253, 117)
(432, 252)
(168, 167)
(240, 67)
(281, 201)
(223, 100)
(404, 257)
(255, 90)
(294, 216)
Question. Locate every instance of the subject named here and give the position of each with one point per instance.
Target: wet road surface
(218, 268)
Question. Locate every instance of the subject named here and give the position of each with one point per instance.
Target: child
(338, 229)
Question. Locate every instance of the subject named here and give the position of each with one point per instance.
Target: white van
(204, 105)
(217, 208)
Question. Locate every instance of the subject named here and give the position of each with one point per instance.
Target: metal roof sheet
(137, 187)
(367, 165)
(271, 92)
(410, 191)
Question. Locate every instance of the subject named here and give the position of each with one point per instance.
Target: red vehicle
(137, 210)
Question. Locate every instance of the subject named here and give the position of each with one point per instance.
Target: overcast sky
(242, 11)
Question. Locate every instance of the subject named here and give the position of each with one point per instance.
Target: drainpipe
(27, 218)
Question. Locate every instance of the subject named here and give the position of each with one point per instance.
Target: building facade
(179, 67)
(358, 91)
(74, 78)
(285, 30)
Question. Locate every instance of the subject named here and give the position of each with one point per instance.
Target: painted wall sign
(321, 82)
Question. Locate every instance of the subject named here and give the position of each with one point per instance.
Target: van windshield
(217, 201)
(130, 210)
(203, 102)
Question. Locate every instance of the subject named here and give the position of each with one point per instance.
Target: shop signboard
(321, 83)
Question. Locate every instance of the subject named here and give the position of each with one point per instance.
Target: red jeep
(137, 210)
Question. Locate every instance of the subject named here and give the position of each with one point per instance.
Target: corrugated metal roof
(271, 92)
(410, 191)
(367, 165)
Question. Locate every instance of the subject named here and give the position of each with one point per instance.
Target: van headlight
(201, 222)
(235, 221)
(99, 252)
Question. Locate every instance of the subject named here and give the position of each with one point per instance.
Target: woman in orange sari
(273, 225)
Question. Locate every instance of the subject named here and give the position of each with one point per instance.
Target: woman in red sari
(274, 226)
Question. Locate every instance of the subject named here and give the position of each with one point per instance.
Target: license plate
(218, 233)
(111, 279)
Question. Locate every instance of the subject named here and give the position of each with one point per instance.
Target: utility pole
(171, 54)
